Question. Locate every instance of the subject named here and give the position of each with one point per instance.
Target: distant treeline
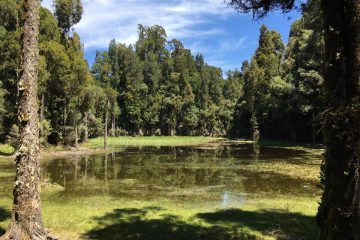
(158, 87)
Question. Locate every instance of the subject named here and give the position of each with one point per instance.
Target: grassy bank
(148, 141)
(116, 142)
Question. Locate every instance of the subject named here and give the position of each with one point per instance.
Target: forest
(148, 141)
(159, 87)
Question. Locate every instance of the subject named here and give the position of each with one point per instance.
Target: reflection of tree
(76, 163)
(256, 149)
(86, 159)
(134, 170)
(106, 173)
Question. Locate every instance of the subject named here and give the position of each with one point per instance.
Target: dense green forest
(159, 87)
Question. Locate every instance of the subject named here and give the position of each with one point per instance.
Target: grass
(158, 141)
(109, 218)
(6, 149)
(148, 141)
(305, 167)
(56, 148)
(286, 144)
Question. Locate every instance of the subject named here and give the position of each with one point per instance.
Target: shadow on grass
(133, 224)
(279, 224)
(232, 224)
(4, 215)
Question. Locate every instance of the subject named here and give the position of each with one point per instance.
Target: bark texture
(26, 215)
(339, 212)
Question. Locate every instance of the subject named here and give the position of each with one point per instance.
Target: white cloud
(194, 22)
(104, 20)
(232, 44)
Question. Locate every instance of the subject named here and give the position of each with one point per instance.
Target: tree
(303, 70)
(80, 78)
(101, 70)
(58, 65)
(132, 90)
(26, 220)
(339, 214)
(10, 56)
(150, 48)
(68, 13)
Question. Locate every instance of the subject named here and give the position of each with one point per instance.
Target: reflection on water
(225, 198)
(212, 174)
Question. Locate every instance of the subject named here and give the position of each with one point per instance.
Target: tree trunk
(172, 131)
(76, 123)
(65, 119)
(339, 212)
(42, 109)
(254, 130)
(106, 125)
(86, 134)
(113, 125)
(76, 144)
(26, 220)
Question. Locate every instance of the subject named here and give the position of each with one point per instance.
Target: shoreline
(93, 147)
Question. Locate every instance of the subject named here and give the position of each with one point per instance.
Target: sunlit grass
(56, 148)
(260, 218)
(6, 149)
(148, 141)
(297, 171)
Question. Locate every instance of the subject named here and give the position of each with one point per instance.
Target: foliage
(68, 13)
(283, 87)
(158, 87)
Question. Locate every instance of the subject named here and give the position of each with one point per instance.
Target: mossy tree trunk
(26, 220)
(339, 212)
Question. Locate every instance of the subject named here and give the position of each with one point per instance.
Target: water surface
(214, 175)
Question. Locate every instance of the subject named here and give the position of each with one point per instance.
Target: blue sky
(223, 36)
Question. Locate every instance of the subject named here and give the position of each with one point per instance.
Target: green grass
(6, 149)
(292, 145)
(56, 148)
(104, 217)
(148, 141)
